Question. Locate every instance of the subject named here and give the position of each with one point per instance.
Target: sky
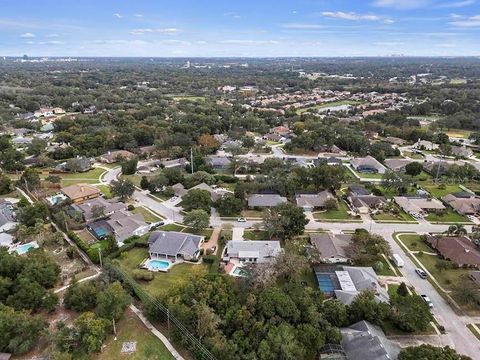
(246, 28)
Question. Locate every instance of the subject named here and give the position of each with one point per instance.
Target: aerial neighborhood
(274, 209)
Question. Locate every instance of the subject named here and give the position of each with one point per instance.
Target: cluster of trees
(99, 307)
(25, 283)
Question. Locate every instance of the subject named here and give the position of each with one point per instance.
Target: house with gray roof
(8, 218)
(419, 205)
(174, 245)
(363, 340)
(265, 200)
(363, 204)
(397, 164)
(218, 162)
(310, 202)
(354, 280)
(461, 151)
(332, 248)
(367, 164)
(99, 206)
(252, 251)
(125, 224)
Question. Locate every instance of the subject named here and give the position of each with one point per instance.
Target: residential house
(116, 155)
(214, 193)
(252, 251)
(419, 205)
(474, 275)
(310, 202)
(79, 164)
(397, 165)
(363, 340)
(363, 204)
(6, 239)
(179, 190)
(218, 162)
(272, 137)
(464, 203)
(175, 163)
(280, 130)
(124, 224)
(425, 145)
(146, 151)
(395, 140)
(334, 161)
(368, 164)
(174, 245)
(459, 250)
(346, 282)
(265, 200)
(332, 248)
(461, 151)
(8, 219)
(101, 205)
(79, 193)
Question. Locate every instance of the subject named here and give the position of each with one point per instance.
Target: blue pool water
(239, 271)
(157, 264)
(23, 248)
(325, 283)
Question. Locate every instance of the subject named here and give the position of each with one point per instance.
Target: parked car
(427, 300)
(242, 219)
(421, 273)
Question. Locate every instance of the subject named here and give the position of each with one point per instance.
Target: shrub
(130, 207)
(209, 259)
(142, 275)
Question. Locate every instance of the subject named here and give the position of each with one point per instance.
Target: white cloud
(456, 16)
(456, 5)
(27, 35)
(52, 42)
(401, 4)
(118, 16)
(232, 15)
(352, 16)
(299, 26)
(470, 22)
(138, 15)
(249, 42)
(168, 31)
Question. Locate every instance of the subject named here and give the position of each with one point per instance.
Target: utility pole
(191, 159)
(100, 256)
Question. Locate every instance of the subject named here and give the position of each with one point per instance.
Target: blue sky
(239, 28)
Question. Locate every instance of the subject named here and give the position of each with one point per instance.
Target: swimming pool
(238, 271)
(325, 283)
(157, 265)
(22, 249)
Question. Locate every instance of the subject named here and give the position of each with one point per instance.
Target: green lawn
(386, 217)
(89, 177)
(438, 190)
(412, 155)
(130, 328)
(205, 232)
(449, 216)
(386, 271)
(367, 175)
(105, 189)
(339, 214)
(252, 213)
(147, 215)
(255, 235)
(172, 227)
(414, 243)
(162, 282)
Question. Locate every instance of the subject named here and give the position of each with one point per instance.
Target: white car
(427, 300)
(174, 198)
(242, 219)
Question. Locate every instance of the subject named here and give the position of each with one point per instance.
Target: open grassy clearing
(414, 243)
(130, 328)
(386, 217)
(147, 215)
(439, 190)
(340, 214)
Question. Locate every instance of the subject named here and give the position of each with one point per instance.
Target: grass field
(105, 189)
(255, 235)
(172, 227)
(130, 328)
(89, 177)
(401, 216)
(446, 278)
(448, 217)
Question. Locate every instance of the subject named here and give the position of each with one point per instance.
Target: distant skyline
(261, 28)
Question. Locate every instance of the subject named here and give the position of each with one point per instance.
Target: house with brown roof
(419, 205)
(78, 193)
(363, 204)
(310, 202)
(463, 203)
(116, 155)
(459, 250)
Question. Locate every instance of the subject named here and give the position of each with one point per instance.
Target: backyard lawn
(162, 282)
(130, 328)
(89, 177)
(439, 190)
(332, 215)
(105, 189)
(255, 235)
(449, 216)
(172, 227)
